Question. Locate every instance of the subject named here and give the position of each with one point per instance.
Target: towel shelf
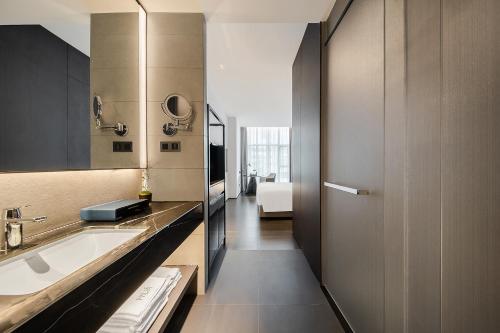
(351, 190)
(187, 281)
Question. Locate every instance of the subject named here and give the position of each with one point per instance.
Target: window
(268, 151)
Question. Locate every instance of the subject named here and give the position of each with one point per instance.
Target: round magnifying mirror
(177, 107)
(97, 107)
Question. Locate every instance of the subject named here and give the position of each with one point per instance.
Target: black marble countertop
(16, 310)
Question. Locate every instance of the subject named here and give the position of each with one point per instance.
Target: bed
(274, 199)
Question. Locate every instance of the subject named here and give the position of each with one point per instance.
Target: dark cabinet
(216, 189)
(216, 226)
(213, 234)
(221, 226)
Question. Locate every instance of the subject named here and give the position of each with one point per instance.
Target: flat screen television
(217, 163)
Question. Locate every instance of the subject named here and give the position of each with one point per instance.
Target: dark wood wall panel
(306, 77)
(335, 17)
(45, 110)
(78, 110)
(423, 166)
(354, 157)
(310, 108)
(471, 166)
(34, 101)
(441, 161)
(395, 149)
(296, 159)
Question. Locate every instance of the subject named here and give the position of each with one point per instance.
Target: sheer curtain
(268, 151)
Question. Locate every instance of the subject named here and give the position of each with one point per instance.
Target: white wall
(249, 75)
(233, 158)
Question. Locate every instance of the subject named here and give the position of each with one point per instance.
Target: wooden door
(354, 157)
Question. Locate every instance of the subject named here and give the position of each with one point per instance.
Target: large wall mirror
(69, 85)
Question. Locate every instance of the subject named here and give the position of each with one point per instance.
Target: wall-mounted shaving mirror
(120, 129)
(69, 85)
(180, 112)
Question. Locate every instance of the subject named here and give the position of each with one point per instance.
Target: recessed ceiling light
(221, 67)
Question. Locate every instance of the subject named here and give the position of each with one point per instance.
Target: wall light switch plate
(170, 146)
(122, 146)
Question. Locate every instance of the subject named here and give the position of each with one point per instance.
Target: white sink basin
(37, 269)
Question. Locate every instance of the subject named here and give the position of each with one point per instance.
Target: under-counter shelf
(186, 282)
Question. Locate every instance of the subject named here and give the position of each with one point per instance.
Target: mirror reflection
(69, 85)
(180, 113)
(177, 106)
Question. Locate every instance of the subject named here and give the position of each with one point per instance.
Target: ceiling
(247, 11)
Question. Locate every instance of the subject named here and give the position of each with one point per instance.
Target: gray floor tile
(237, 281)
(222, 319)
(234, 318)
(197, 319)
(298, 319)
(289, 283)
(264, 285)
(242, 241)
(277, 241)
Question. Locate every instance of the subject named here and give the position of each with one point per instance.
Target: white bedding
(275, 197)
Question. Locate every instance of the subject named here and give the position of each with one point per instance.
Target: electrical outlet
(170, 146)
(122, 146)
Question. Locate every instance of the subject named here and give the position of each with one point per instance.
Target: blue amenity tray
(114, 210)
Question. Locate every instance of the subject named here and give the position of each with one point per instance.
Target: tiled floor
(264, 284)
(246, 231)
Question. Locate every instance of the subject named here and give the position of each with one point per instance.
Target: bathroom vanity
(82, 124)
(77, 276)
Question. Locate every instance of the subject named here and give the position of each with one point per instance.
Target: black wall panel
(306, 81)
(39, 104)
(78, 110)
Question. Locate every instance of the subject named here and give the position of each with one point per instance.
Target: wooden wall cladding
(306, 80)
(441, 162)
(470, 166)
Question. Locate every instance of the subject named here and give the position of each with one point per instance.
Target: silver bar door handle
(351, 190)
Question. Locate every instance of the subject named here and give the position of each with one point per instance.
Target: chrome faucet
(13, 227)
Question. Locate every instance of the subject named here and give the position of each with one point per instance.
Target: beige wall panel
(115, 24)
(103, 157)
(114, 76)
(115, 84)
(124, 112)
(176, 24)
(178, 184)
(190, 156)
(176, 64)
(114, 51)
(192, 252)
(157, 118)
(175, 51)
(61, 195)
(163, 81)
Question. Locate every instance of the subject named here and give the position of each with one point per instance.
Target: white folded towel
(140, 310)
(153, 315)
